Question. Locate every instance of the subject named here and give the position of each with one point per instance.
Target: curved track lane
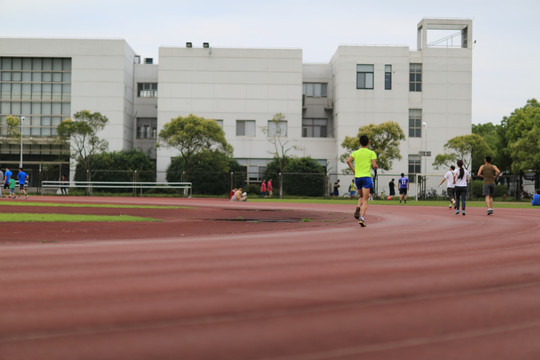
(417, 283)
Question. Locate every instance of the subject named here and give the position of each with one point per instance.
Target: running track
(417, 283)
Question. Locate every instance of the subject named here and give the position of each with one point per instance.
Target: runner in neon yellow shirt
(364, 159)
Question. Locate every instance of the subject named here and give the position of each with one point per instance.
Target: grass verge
(111, 206)
(26, 217)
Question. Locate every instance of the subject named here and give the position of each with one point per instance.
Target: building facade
(427, 91)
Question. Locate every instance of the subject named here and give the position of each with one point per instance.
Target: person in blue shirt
(7, 177)
(22, 176)
(536, 199)
(403, 184)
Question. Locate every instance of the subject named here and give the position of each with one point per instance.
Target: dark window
(314, 89)
(148, 90)
(364, 76)
(314, 128)
(415, 77)
(415, 123)
(387, 77)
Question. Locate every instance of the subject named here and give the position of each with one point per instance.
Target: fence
(135, 186)
(213, 183)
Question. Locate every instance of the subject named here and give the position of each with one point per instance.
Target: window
(38, 89)
(364, 76)
(245, 127)
(147, 90)
(387, 77)
(219, 122)
(314, 89)
(277, 128)
(415, 123)
(415, 77)
(314, 128)
(146, 128)
(414, 167)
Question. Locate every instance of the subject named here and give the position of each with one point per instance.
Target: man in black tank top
(489, 172)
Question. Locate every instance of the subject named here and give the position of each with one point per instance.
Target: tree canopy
(472, 149)
(384, 139)
(190, 135)
(81, 132)
(210, 173)
(13, 124)
(523, 137)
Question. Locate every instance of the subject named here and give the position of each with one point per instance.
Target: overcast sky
(506, 56)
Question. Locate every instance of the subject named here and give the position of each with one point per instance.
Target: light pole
(20, 161)
(424, 125)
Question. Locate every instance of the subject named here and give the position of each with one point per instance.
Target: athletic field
(212, 279)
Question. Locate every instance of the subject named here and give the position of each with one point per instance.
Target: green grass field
(412, 202)
(26, 217)
(111, 206)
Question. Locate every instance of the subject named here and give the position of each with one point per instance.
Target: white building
(426, 90)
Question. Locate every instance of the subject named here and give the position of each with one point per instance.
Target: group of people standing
(7, 179)
(457, 180)
(266, 188)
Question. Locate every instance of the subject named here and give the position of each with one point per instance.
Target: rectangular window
(414, 167)
(219, 122)
(387, 77)
(415, 77)
(277, 128)
(147, 90)
(40, 87)
(315, 89)
(245, 127)
(364, 76)
(315, 128)
(146, 128)
(415, 123)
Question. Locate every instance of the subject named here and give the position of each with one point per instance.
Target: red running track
(416, 283)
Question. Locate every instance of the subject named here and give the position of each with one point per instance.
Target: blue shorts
(364, 182)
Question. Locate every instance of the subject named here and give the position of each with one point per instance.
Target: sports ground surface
(221, 280)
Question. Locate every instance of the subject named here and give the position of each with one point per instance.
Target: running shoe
(457, 212)
(357, 213)
(463, 213)
(362, 222)
(490, 211)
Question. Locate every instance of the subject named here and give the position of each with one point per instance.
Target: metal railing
(134, 185)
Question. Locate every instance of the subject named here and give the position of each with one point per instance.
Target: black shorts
(488, 189)
(451, 192)
(403, 191)
(6, 186)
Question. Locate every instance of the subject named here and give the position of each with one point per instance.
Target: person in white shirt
(449, 178)
(461, 180)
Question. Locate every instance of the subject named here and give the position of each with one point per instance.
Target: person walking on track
(462, 178)
(450, 187)
(364, 159)
(489, 172)
(403, 187)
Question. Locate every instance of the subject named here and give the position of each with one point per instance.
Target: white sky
(506, 56)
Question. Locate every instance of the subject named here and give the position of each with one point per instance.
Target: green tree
(13, 126)
(467, 148)
(523, 138)
(126, 165)
(384, 140)
(495, 137)
(82, 135)
(277, 136)
(191, 135)
(304, 177)
(210, 173)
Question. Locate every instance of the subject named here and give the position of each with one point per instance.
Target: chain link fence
(422, 187)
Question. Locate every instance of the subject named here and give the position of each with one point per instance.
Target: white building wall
(230, 85)
(354, 107)
(102, 78)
